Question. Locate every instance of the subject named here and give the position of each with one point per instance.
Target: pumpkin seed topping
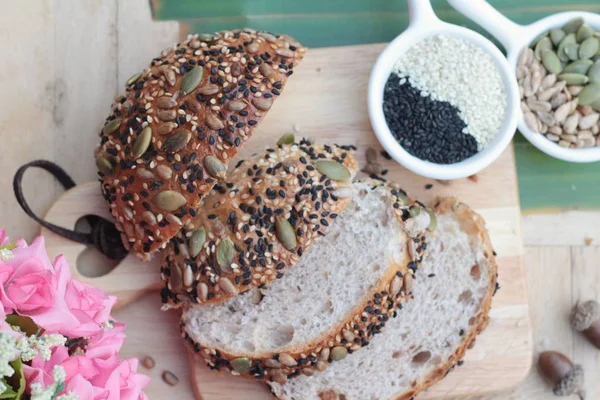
(241, 365)
(285, 233)
(142, 142)
(288, 138)
(169, 200)
(191, 80)
(104, 165)
(111, 126)
(197, 241)
(225, 254)
(133, 79)
(333, 170)
(338, 353)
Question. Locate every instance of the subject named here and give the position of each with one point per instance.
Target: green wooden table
(545, 184)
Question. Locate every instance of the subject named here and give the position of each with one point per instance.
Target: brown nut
(566, 377)
(585, 318)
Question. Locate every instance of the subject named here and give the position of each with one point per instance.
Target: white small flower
(5, 254)
(8, 353)
(40, 393)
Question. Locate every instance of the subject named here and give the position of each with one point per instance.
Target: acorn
(585, 318)
(566, 377)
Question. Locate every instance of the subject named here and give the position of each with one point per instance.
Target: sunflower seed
(548, 81)
(333, 170)
(188, 276)
(586, 142)
(164, 172)
(142, 142)
(527, 87)
(284, 52)
(594, 73)
(589, 94)
(262, 103)
(236, 70)
(133, 79)
(165, 128)
(588, 121)
(111, 126)
(104, 165)
(552, 137)
(177, 142)
(578, 67)
(344, 192)
(169, 74)
(287, 360)
(241, 364)
(176, 280)
(277, 375)
(149, 218)
(166, 115)
(562, 112)
(169, 200)
(209, 89)
(589, 47)
(202, 289)
(194, 105)
(556, 35)
(547, 94)
(324, 354)
(191, 80)
(546, 118)
(256, 297)
(166, 102)
(531, 121)
(252, 48)
(173, 219)
(285, 233)
(170, 378)
(536, 105)
(225, 255)
(564, 143)
(574, 79)
(265, 69)
(570, 125)
(228, 287)
(213, 122)
(197, 241)
(215, 167)
(558, 101)
(148, 362)
(408, 283)
(396, 285)
(551, 62)
(288, 138)
(144, 173)
(236, 105)
(338, 353)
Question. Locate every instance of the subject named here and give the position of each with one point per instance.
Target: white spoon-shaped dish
(424, 23)
(515, 38)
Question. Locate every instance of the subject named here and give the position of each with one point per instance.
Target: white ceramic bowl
(514, 38)
(423, 24)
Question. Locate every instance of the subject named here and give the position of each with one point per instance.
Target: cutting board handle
(130, 279)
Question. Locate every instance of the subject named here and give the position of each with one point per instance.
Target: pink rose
(106, 344)
(3, 237)
(122, 381)
(91, 307)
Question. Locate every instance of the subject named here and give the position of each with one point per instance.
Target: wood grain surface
(59, 71)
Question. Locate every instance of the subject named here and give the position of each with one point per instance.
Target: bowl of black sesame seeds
(557, 64)
(443, 100)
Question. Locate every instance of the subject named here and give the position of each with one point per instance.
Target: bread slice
(341, 293)
(236, 242)
(452, 297)
(170, 135)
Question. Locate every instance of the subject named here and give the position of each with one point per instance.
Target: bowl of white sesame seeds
(443, 100)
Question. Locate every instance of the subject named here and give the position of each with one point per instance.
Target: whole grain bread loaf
(169, 137)
(452, 290)
(342, 291)
(250, 230)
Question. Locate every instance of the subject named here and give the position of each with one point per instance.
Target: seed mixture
(458, 80)
(559, 78)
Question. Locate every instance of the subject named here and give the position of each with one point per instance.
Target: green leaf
(9, 393)
(16, 381)
(25, 323)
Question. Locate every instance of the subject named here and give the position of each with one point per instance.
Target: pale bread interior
(425, 334)
(333, 277)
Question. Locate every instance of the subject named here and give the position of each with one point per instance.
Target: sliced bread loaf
(452, 297)
(250, 231)
(340, 294)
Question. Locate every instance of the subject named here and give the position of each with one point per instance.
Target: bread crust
(202, 97)
(282, 185)
(473, 224)
(366, 319)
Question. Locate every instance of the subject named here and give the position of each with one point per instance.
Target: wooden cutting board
(326, 100)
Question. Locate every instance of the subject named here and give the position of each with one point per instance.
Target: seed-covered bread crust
(363, 322)
(249, 231)
(170, 136)
(472, 224)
